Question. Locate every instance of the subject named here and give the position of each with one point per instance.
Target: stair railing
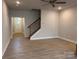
(34, 27)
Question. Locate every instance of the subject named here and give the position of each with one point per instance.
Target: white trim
(66, 39)
(40, 38)
(24, 32)
(11, 27)
(63, 38)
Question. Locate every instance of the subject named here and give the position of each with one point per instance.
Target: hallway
(23, 48)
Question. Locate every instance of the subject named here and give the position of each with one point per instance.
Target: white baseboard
(63, 38)
(40, 38)
(5, 47)
(66, 39)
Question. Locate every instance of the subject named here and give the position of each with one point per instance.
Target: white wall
(29, 15)
(56, 24)
(5, 28)
(68, 24)
(49, 24)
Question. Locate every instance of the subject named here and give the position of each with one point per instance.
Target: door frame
(12, 26)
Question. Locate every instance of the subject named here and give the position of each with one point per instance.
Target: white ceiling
(36, 4)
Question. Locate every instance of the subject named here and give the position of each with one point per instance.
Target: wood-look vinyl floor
(23, 48)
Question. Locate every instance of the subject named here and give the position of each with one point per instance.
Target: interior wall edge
(6, 46)
(6, 34)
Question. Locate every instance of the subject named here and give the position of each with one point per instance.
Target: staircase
(34, 27)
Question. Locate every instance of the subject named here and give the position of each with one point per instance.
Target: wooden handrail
(33, 22)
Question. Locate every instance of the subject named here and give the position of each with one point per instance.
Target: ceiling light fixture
(17, 2)
(59, 8)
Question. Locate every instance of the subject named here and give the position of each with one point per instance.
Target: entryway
(17, 26)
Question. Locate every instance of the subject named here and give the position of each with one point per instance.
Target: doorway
(18, 26)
